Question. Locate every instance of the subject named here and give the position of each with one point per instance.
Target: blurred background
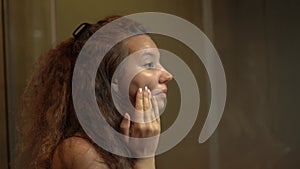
(258, 43)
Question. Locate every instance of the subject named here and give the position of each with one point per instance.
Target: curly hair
(47, 116)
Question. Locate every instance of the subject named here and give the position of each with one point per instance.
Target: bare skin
(78, 153)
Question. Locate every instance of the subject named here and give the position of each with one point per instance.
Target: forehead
(139, 42)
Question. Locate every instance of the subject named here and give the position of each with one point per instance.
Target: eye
(150, 65)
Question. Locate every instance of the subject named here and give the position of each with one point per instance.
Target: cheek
(144, 78)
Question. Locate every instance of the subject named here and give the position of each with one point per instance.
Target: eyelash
(150, 65)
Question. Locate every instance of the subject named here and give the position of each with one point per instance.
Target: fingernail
(126, 115)
(146, 88)
(140, 90)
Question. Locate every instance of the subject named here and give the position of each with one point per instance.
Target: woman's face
(144, 59)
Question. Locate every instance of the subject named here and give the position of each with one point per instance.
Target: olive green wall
(27, 35)
(71, 13)
(3, 122)
(258, 43)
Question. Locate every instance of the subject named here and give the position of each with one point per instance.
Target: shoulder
(77, 153)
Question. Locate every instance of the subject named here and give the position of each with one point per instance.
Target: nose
(165, 76)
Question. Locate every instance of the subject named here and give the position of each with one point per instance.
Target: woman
(51, 135)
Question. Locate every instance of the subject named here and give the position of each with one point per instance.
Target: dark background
(258, 43)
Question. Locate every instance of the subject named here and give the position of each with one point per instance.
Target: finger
(125, 127)
(146, 100)
(147, 108)
(153, 116)
(155, 108)
(152, 113)
(139, 110)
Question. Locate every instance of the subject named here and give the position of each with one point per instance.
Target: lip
(162, 94)
(159, 92)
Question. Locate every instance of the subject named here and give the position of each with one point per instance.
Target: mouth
(159, 92)
(161, 97)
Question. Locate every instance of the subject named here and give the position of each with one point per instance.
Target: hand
(146, 124)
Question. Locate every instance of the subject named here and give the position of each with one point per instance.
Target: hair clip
(80, 29)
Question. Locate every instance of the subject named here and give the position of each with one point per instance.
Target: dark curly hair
(47, 116)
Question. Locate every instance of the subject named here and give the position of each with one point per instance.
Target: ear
(115, 85)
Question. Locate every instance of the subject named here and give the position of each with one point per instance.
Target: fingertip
(127, 116)
(139, 93)
(125, 124)
(139, 100)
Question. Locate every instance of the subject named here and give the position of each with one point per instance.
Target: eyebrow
(152, 54)
(148, 53)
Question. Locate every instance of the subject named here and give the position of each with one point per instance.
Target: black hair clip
(80, 29)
